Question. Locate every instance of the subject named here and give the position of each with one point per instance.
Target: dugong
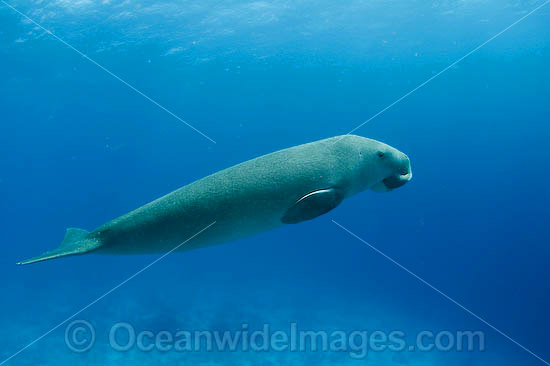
(285, 187)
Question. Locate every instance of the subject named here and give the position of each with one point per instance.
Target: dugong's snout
(395, 181)
(400, 167)
(401, 176)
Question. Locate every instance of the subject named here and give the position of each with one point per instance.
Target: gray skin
(287, 186)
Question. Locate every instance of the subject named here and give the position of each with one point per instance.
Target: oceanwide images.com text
(81, 336)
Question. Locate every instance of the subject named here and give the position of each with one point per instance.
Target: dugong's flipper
(312, 205)
(76, 241)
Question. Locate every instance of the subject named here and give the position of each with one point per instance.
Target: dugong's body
(284, 187)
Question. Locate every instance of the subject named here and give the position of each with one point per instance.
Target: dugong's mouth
(396, 181)
(392, 182)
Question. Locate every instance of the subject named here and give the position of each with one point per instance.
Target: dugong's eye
(380, 154)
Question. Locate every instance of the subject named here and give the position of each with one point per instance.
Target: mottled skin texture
(251, 197)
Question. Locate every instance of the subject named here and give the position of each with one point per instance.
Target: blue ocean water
(80, 148)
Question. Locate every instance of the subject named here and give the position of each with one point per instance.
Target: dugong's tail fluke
(76, 241)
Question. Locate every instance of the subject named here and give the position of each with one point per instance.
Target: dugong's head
(383, 168)
(396, 168)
